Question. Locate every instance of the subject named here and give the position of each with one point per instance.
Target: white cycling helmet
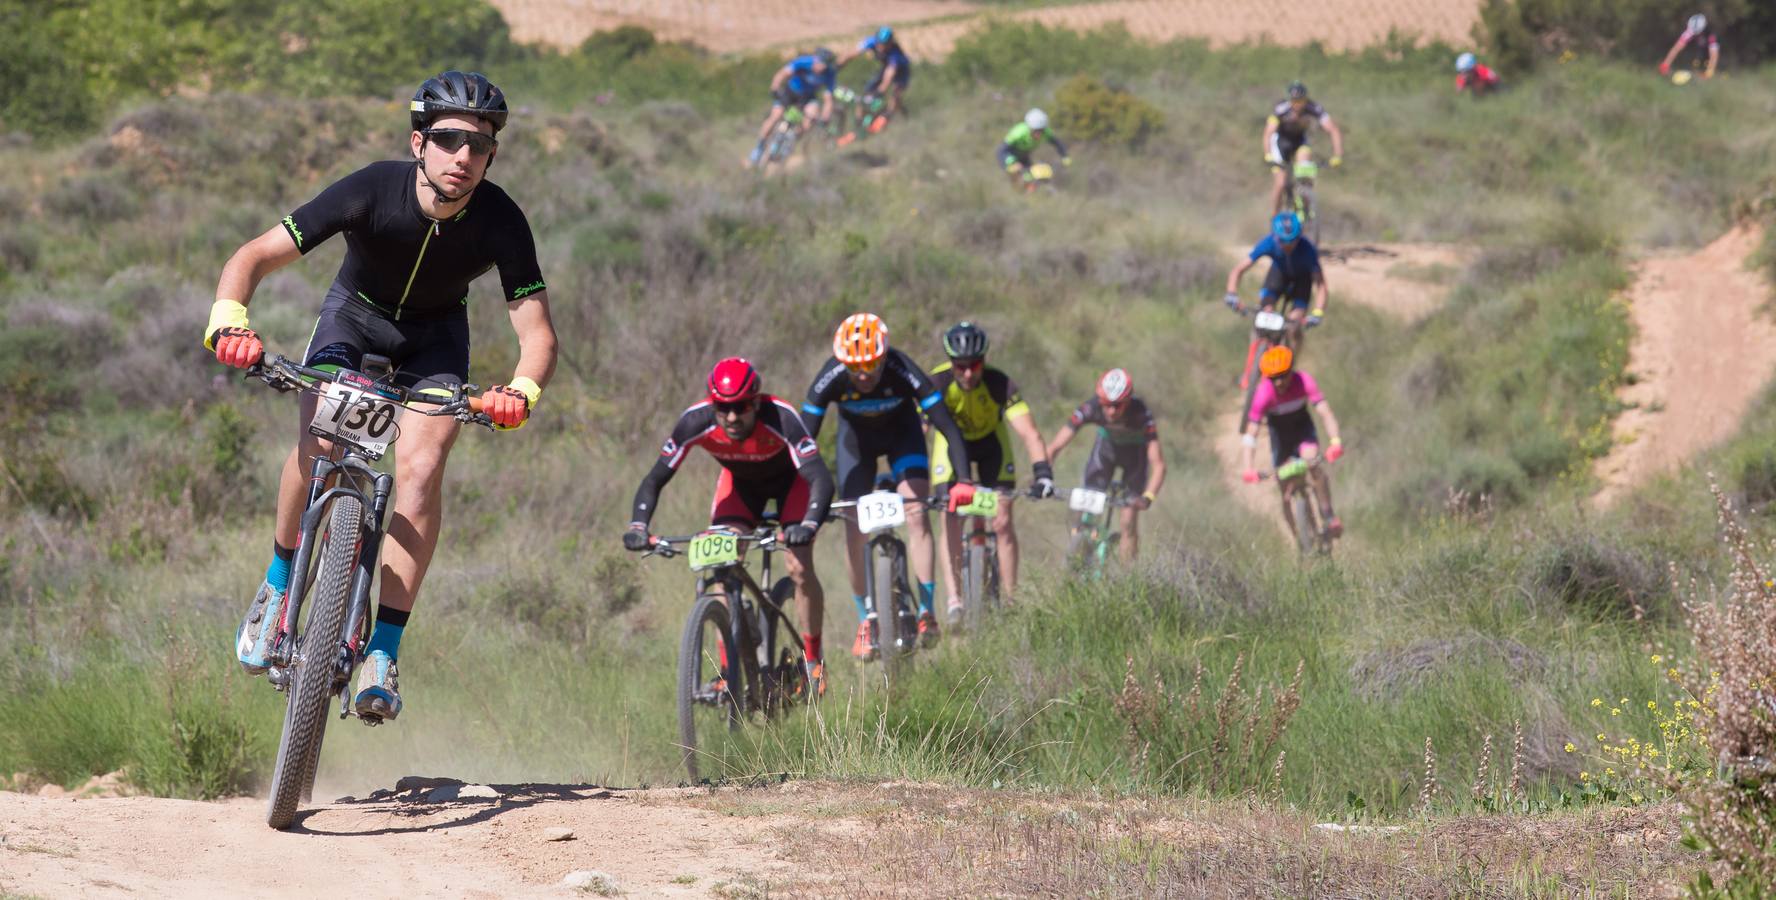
(1036, 119)
(1698, 24)
(1464, 63)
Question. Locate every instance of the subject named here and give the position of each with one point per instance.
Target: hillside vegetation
(1475, 596)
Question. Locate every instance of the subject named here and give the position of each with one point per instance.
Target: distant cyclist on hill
(417, 232)
(1127, 440)
(1295, 273)
(1285, 401)
(880, 392)
(1286, 131)
(1021, 142)
(766, 457)
(896, 70)
(1472, 75)
(801, 83)
(988, 409)
(1696, 31)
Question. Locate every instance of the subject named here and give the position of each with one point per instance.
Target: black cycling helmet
(825, 55)
(965, 341)
(1297, 91)
(449, 92)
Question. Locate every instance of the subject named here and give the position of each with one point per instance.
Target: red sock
(811, 644)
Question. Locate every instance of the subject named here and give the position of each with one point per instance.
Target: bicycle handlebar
(286, 375)
(666, 547)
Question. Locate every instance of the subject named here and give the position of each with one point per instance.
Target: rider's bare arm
(1248, 447)
(1321, 292)
(536, 338)
(1061, 440)
(781, 78)
(1238, 272)
(1156, 470)
(1325, 411)
(256, 259)
(1713, 57)
(1025, 426)
(1337, 136)
(1270, 129)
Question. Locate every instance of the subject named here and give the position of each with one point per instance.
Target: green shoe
(379, 694)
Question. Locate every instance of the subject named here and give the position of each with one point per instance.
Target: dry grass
(900, 839)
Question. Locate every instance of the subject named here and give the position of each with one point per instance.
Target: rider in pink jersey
(1286, 400)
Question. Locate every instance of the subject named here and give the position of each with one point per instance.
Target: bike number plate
(985, 504)
(1268, 321)
(367, 420)
(1086, 500)
(713, 549)
(880, 511)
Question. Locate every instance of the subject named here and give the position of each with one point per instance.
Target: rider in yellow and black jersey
(987, 407)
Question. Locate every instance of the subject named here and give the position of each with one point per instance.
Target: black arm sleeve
(820, 489)
(647, 496)
(1059, 147)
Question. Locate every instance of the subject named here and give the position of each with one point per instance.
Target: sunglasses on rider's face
(451, 140)
(868, 368)
(967, 365)
(737, 408)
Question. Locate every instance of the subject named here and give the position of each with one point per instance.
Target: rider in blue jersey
(1295, 272)
(896, 69)
(799, 84)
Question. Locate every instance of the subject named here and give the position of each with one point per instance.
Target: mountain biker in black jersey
(766, 455)
(988, 408)
(1285, 131)
(1696, 31)
(417, 232)
(880, 392)
(1127, 440)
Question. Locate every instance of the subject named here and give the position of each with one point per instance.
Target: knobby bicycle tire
(305, 716)
(709, 609)
(785, 678)
(887, 610)
(1307, 536)
(975, 592)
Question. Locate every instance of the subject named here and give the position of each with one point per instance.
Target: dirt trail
(1702, 354)
(1406, 280)
(486, 847)
(737, 25)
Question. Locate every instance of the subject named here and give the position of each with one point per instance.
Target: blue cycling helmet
(884, 35)
(1465, 63)
(1285, 227)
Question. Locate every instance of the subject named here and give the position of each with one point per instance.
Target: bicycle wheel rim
(708, 711)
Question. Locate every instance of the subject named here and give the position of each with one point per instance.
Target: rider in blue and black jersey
(896, 70)
(1295, 272)
(800, 83)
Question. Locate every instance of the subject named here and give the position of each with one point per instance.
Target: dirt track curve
(737, 25)
(1701, 356)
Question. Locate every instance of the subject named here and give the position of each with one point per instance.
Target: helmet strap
(437, 189)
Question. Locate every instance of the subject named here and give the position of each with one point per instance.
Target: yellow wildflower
(1569, 747)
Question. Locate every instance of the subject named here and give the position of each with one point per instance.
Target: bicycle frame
(748, 604)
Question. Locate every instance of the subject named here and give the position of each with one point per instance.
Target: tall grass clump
(1735, 640)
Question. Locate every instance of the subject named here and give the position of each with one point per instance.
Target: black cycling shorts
(1007, 153)
(1298, 289)
(991, 456)
(1107, 457)
(1286, 148)
(1288, 433)
(899, 439)
(427, 353)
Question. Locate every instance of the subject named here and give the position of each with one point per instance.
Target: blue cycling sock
(862, 607)
(278, 573)
(387, 634)
(927, 596)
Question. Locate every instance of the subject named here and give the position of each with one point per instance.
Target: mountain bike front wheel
(1307, 533)
(710, 697)
(317, 651)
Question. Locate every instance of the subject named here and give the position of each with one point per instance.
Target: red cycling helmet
(1115, 387)
(733, 380)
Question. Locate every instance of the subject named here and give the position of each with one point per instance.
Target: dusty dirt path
(1703, 351)
(1404, 280)
(483, 847)
(738, 25)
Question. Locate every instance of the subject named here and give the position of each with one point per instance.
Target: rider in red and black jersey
(1699, 34)
(766, 455)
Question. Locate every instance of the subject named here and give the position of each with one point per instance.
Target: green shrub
(1017, 54)
(1088, 109)
(45, 93)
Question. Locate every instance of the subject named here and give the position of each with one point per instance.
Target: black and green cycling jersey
(981, 410)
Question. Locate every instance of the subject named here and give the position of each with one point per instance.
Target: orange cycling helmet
(1276, 361)
(862, 340)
